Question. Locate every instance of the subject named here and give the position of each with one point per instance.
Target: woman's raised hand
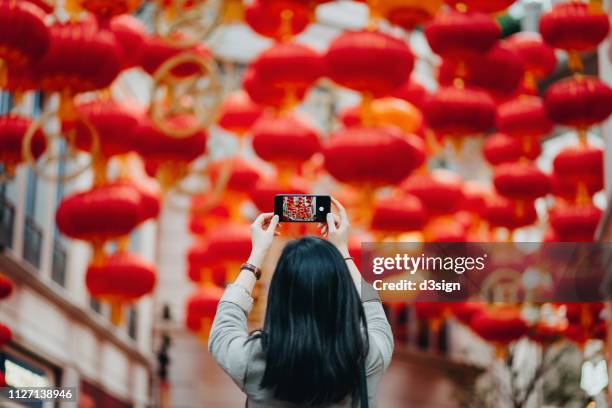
(337, 228)
(262, 234)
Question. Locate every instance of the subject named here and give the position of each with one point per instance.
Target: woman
(322, 345)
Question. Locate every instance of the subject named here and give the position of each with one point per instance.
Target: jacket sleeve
(229, 333)
(379, 331)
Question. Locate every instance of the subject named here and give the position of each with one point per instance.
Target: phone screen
(302, 208)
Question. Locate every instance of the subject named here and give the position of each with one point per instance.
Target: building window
(95, 305)
(132, 320)
(58, 268)
(7, 218)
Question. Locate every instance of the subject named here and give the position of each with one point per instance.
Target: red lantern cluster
(13, 129)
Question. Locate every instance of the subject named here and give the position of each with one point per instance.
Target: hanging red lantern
(521, 181)
(545, 333)
(155, 51)
(243, 174)
(369, 61)
(374, 156)
(205, 215)
(122, 278)
(459, 36)
(130, 33)
(13, 128)
(239, 113)
(395, 215)
(105, 212)
(6, 287)
(150, 196)
(500, 325)
(287, 140)
(579, 101)
(265, 189)
(575, 222)
(581, 167)
(227, 245)
(386, 112)
(279, 20)
(201, 308)
(24, 37)
(289, 66)
(465, 311)
(500, 148)
(81, 58)
(168, 157)
(574, 26)
(475, 197)
(6, 335)
(104, 9)
(409, 14)
(502, 213)
(115, 125)
(499, 71)
(457, 112)
(411, 91)
(538, 57)
(440, 191)
(484, 6)
(264, 93)
(524, 118)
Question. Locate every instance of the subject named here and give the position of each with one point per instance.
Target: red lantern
(538, 57)
(205, 215)
(409, 14)
(278, 20)
(243, 174)
(574, 26)
(524, 118)
(500, 148)
(155, 51)
(12, 131)
(396, 215)
(369, 61)
(130, 33)
(485, 6)
(150, 196)
(163, 152)
(579, 102)
(115, 125)
(370, 155)
(521, 181)
(458, 36)
(502, 213)
(24, 37)
(121, 278)
(475, 197)
(286, 141)
(102, 213)
(575, 223)
(264, 93)
(289, 66)
(6, 287)
(6, 335)
(545, 334)
(500, 326)
(440, 191)
(465, 311)
(227, 246)
(580, 167)
(201, 308)
(80, 58)
(500, 71)
(411, 91)
(264, 190)
(105, 9)
(457, 112)
(239, 113)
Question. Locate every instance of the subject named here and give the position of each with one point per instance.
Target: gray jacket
(245, 362)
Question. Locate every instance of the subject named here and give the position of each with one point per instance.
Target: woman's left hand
(262, 234)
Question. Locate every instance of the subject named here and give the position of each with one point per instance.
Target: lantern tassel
(116, 312)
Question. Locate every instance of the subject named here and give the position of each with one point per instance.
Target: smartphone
(302, 207)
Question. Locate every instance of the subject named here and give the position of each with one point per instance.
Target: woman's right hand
(338, 227)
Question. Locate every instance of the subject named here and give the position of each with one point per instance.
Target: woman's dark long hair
(313, 331)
